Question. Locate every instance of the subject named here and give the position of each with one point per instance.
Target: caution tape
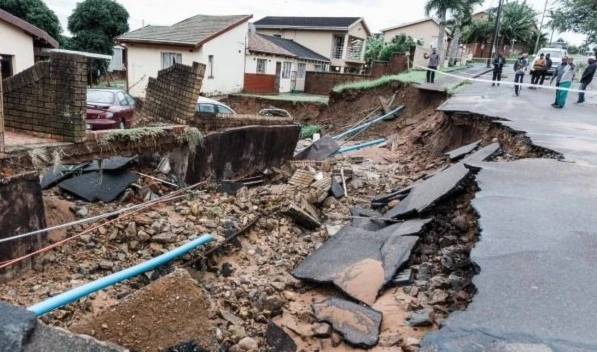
(510, 83)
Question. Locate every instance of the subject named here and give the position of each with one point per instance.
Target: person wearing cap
(539, 67)
(433, 64)
(564, 75)
(586, 79)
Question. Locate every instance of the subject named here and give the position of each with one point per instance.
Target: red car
(109, 109)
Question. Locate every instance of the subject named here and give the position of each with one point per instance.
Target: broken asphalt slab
(278, 340)
(359, 325)
(359, 220)
(321, 149)
(361, 262)
(481, 155)
(15, 326)
(96, 186)
(462, 151)
(51, 176)
(110, 164)
(537, 258)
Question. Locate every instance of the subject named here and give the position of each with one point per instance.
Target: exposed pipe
(359, 146)
(82, 291)
(370, 123)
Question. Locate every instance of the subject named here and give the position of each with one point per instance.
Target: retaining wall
(213, 122)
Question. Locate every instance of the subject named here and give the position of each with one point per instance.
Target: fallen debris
(98, 186)
(319, 150)
(110, 164)
(302, 217)
(462, 151)
(278, 340)
(358, 325)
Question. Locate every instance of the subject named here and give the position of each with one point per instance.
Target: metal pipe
(359, 146)
(367, 124)
(82, 291)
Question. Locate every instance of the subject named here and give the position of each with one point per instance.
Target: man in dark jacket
(586, 79)
(547, 68)
(520, 68)
(498, 65)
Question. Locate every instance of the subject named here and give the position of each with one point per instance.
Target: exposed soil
(58, 211)
(166, 312)
(303, 112)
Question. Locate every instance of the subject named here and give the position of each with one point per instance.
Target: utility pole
(1, 111)
(540, 27)
(496, 30)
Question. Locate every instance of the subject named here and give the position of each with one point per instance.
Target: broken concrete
(481, 155)
(321, 149)
(109, 164)
(358, 325)
(462, 151)
(15, 326)
(366, 224)
(99, 186)
(278, 340)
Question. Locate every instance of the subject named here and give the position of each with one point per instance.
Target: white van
(556, 55)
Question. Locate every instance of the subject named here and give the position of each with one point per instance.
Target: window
(286, 69)
(224, 110)
(261, 65)
(168, 59)
(319, 68)
(338, 47)
(100, 96)
(6, 63)
(122, 99)
(300, 72)
(210, 58)
(130, 99)
(209, 108)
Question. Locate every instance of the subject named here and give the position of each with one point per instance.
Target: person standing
(433, 64)
(586, 79)
(548, 66)
(498, 65)
(520, 68)
(564, 75)
(539, 66)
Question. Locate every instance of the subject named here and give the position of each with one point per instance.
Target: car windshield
(555, 54)
(100, 96)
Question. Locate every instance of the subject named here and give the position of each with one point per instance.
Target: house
(216, 41)
(425, 31)
(342, 39)
(20, 44)
(277, 65)
(118, 61)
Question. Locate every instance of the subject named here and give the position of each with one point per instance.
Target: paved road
(538, 246)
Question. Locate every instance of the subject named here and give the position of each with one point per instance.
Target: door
(293, 81)
(278, 73)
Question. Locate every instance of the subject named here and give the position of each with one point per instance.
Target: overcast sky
(377, 13)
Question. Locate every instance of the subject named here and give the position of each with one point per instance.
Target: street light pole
(540, 27)
(496, 30)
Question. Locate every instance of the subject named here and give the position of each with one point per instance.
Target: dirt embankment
(302, 112)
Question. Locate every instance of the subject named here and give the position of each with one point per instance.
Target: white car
(213, 106)
(556, 55)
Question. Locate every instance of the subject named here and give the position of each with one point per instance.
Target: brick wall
(172, 96)
(398, 62)
(260, 83)
(323, 82)
(212, 122)
(49, 98)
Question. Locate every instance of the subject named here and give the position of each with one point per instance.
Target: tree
(462, 15)
(37, 13)
(373, 48)
(441, 9)
(578, 16)
(399, 44)
(94, 25)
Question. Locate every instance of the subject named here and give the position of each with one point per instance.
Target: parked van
(556, 55)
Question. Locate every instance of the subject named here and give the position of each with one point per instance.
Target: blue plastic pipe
(359, 146)
(82, 291)
(367, 124)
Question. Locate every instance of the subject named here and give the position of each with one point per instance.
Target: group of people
(563, 75)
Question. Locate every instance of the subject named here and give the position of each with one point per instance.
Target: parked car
(109, 109)
(207, 105)
(556, 55)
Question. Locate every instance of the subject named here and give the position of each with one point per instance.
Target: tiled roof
(284, 47)
(193, 31)
(306, 22)
(28, 28)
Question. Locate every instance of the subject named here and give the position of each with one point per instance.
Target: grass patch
(457, 88)
(190, 135)
(308, 131)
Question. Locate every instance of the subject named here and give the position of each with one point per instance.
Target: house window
(6, 63)
(338, 47)
(286, 69)
(169, 59)
(210, 59)
(261, 65)
(300, 72)
(319, 68)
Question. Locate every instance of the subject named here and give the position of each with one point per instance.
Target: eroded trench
(246, 285)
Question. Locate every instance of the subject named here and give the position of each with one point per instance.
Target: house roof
(194, 31)
(28, 28)
(283, 47)
(320, 23)
(408, 24)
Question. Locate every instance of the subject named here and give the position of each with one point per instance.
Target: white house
(277, 65)
(20, 43)
(216, 41)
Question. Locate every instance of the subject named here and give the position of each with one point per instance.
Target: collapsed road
(461, 232)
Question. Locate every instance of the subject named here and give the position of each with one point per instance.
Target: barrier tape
(510, 83)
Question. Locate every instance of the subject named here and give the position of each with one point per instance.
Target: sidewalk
(444, 83)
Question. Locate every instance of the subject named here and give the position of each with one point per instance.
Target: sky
(378, 14)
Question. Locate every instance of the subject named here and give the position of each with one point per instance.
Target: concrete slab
(366, 224)
(111, 164)
(96, 186)
(16, 324)
(278, 340)
(358, 324)
(51, 176)
(537, 259)
(462, 151)
(429, 192)
(483, 154)
(321, 149)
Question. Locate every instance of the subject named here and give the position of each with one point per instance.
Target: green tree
(461, 16)
(373, 48)
(441, 9)
(399, 44)
(37, 13)
(95, 23)
(578, 16)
